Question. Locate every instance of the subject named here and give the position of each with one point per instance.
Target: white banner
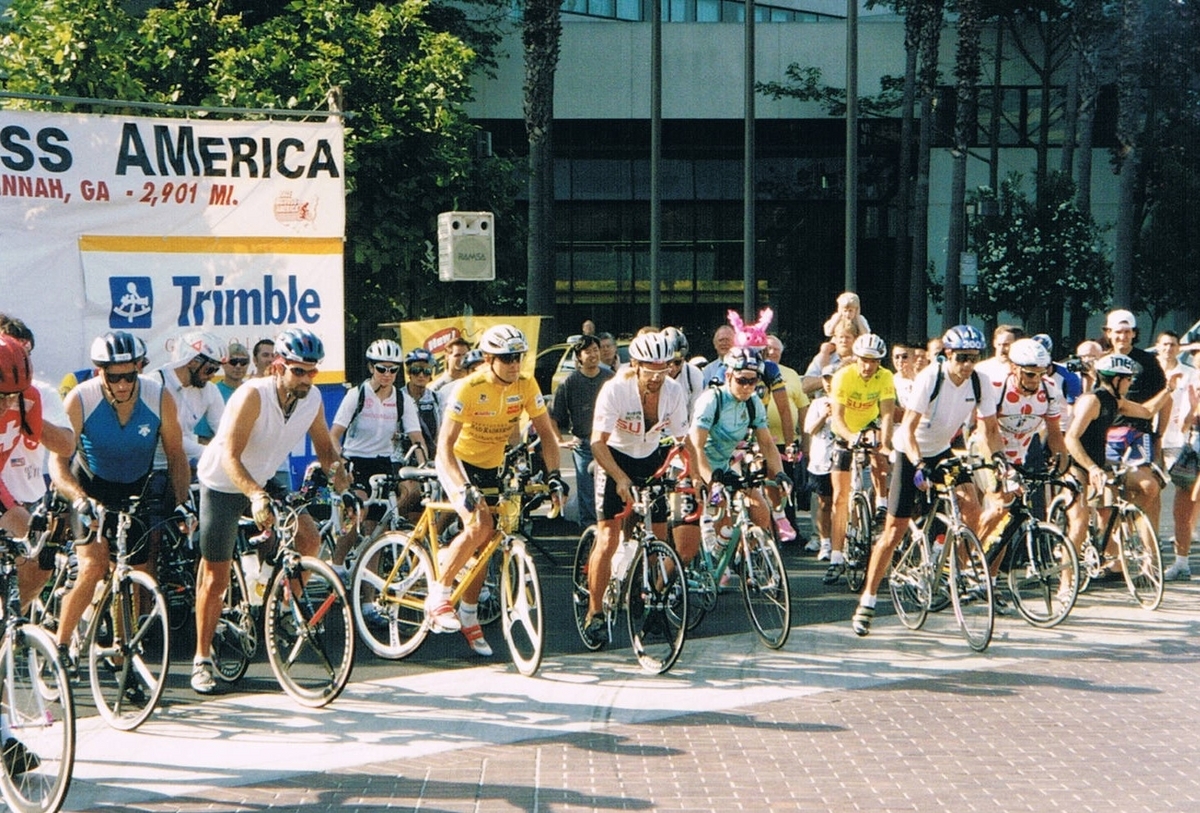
(162, 226)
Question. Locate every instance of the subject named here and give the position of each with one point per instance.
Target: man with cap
(1133, 431)
(188, 379)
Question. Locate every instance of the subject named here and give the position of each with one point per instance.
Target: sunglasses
(746, 382)
(509, 358)
(301, 372)
(964, 358)
(238, 362)
(386, 369)
(1031, 373)
(209, 369)
(121, 378)
(420, 371)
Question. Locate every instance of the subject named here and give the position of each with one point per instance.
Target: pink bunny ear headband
(754, 335)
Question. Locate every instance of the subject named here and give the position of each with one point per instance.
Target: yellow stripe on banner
(210, 245)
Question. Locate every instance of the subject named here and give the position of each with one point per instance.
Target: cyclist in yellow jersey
(862, 394)
(483, 414)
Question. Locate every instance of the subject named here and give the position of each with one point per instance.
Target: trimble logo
(132, 302)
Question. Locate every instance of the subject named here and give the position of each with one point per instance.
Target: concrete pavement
(1097, 714)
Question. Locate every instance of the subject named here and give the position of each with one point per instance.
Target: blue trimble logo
(132, 302)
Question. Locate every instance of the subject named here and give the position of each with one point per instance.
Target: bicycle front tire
(859, 531)
(580, 591)
(1043, 574)
(971, 589)
(129, 649)
(765, 588)
(388, 591)
(1141, 558)
(521, 607)
(36, 700)
(908, 580)
(235, 639)
(656, 606)
(309, 632)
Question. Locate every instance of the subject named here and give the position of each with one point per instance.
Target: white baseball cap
(1120, 318)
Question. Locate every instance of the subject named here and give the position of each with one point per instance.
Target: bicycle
(925, 577)
(1040, 563)
(859, 519)
(1127, 530)
(753, 552)
(646, 577)
(393, 574)
(37, 706)
(307, 623)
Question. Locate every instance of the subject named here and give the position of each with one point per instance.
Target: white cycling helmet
(869, 346)
(1115, 364)
(384, 350)
(652, 348)
(1028, 353)
(198, 343)
(501, 339)
(680, 342)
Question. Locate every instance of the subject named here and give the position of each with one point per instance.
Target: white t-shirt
(1181, 406)
(619, 412)
(942, 420)
(820, 443)
(375, 427)
(191, 404)
(23, 474)
(270, 441)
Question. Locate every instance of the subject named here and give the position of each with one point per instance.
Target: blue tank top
(119, 454)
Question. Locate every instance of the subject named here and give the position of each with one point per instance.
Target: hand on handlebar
(261, 509)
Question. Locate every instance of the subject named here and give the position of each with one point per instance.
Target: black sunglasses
(963, 358)
(509, 358)
(420, 371)
(746, 382)
(238, 362)
(121, 378)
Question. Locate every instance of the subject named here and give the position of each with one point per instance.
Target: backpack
(750, 408)
(362, 397)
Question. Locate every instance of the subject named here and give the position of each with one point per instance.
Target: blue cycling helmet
(117, 347)
(744, 358)
(418, 355)
(299, 344)
(964, 337)
(472, 359)
(1045, 341)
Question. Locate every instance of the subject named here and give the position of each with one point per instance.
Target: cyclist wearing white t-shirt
(943, 398)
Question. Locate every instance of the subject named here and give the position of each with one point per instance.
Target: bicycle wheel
(858, 542)
(656, 606)
(1043, 574)
(390, 583)
(39, 749)
(765, 588)
(971, 589)
(908, 580)
(176, 575)
(1141, 558)
(236, 638)
(309, 632)
(129, 647)
(521, 607)
(702, 590)
(580, 592)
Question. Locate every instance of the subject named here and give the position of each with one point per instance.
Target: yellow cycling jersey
(860, 398)
(488, 412)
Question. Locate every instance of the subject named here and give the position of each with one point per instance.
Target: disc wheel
(971, 590)
(656, 602)
(128, 645)
(489, 595)
(38, 754)
(859, 533)
(309, 632)
(580, 591)
(235, 640)
(1043, 574)
(388, 589)
(521, 607)
(765, 589)
(1141, 558)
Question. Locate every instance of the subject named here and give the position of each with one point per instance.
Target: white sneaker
(826, 550)
(203, 679)
(1180, 571)
(813, 545)
(478, 644)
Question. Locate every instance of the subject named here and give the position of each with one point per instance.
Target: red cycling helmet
(16, 373)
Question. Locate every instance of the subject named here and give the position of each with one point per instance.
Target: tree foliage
(1033, 259)
(410, 149)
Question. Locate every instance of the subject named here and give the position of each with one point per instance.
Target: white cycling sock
(867, 600)
(837, 557)
(468, 614)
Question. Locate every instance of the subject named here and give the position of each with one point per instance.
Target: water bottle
(708, 534)
(250, 569)
(260, 585)
(622, 558)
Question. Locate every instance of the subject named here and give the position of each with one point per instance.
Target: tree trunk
(966, 71)
(541, 33)
(1130, 123)
(931, 34)
(903, 271)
